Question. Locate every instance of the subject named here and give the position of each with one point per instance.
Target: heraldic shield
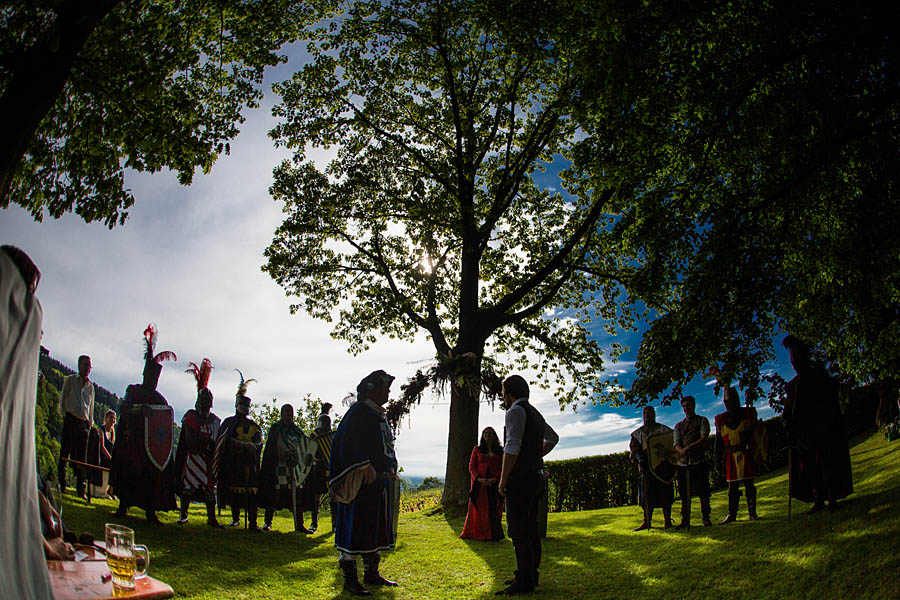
(324, 442)
(307, 452)
(158, 434)
(662, 457)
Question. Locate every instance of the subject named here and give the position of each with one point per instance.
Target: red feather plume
(165, 355)
(201, 373)
(150, 340)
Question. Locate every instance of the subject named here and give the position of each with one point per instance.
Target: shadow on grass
(591, 554)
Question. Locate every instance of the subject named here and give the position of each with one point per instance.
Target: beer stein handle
(140, 548)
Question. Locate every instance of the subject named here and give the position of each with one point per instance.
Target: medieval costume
(689, 436)
(317, 480)
(485, 503)
(193, 460)
(653, 492)
(287, 458)
(363, 472)
(736, 429)
(24, 571)
(236, 460)
(143, 472)
(820, 467)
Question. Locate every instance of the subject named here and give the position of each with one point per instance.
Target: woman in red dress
(485, 504)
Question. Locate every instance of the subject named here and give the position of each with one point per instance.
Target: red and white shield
(158, 435)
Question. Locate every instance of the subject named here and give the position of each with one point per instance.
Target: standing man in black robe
(527, 439)
(820, 467)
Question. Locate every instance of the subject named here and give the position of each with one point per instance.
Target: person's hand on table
(57, 549)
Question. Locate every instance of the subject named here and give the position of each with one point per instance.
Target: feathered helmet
(153, 362)
(241, 401)
(201, 373)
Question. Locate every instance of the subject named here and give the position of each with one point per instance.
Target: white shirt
(77, 397)
(515, 429)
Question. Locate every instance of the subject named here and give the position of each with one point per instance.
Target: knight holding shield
(652, 447)
(142, 470)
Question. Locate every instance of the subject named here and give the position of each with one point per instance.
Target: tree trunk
(887, 403)
(463, 434)
(461, 438)
(38, 77)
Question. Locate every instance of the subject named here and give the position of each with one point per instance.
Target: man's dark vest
(531, 452)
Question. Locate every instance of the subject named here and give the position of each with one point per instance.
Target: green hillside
(852, 553)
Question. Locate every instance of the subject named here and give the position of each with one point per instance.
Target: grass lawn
(853, 553)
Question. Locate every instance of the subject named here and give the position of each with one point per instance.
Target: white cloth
(23, 569)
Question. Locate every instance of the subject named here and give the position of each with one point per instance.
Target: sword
(293, 496)
(689, 495)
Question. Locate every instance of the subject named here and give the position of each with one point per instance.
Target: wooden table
(73, 580)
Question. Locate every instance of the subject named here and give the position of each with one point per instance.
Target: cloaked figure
(143, 472)
(820, 467)
(656, 475)
(287, 459)
(236, 461)
(363, 469)
(196, 445)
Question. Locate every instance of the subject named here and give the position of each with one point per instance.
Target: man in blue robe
(363, 467)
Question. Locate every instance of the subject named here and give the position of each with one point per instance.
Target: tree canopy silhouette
(90, 89)
(429, 217)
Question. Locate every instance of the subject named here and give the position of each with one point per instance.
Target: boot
(211, 516)
(351, 583)
(751, 505)
(734, 496)
(185, 501)
(667, 518)
(372, 576)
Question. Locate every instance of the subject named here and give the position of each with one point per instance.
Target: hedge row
(610, 480)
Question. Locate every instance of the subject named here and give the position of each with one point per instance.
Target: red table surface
(73, 580)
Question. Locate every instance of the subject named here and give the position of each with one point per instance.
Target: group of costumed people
(217, 462)
(818, 450)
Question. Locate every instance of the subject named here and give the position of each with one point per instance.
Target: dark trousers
(699, 476)
(208, 498)
(250, 505)
(73, 444)
(522, 498)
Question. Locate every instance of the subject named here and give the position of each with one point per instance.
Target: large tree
(761, 189)
(90, 89)
(429, 216)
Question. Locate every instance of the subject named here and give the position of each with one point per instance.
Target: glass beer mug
(121, 557)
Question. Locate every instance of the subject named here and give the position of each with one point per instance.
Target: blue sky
(189, 258)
